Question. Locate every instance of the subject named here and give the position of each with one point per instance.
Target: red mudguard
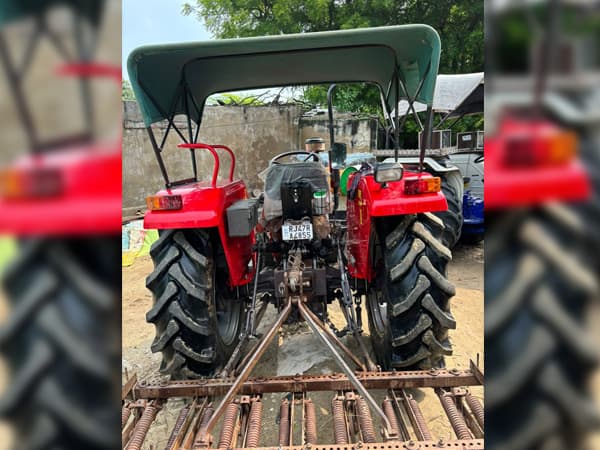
(510, 186)
(204, 206)
(374, 200)
(84, 196)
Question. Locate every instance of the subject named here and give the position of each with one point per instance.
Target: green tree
(126, 90)
(459, 23)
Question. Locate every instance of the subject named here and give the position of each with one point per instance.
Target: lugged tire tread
(419, 229)
(33, 299)
(180, 238)
(420, 286)
(162, 267)
(54, 286)
(445, 318)
(161, 340)
(183, 348)
(452, 217)
(440, 280)
(548, 310)
(181, 284)
(165, 297)
(422, 324)
(202, 328)
(416, 293)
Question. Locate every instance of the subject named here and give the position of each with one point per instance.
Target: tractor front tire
(408, 304)
(197, 318)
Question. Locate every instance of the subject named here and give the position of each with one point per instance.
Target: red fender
(75, 191)
(374, 200)
(204, 206)
(542, 179)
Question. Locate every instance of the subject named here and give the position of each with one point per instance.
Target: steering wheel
(313, 155)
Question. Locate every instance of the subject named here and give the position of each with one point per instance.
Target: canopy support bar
(16, 71)
(157, 151)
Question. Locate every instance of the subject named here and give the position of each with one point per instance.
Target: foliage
(126, 90)
(459, 23)
(355, 97)
(231, 99)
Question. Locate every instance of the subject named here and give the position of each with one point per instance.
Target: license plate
(297, 231)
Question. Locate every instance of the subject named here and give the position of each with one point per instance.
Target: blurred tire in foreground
(540, 356)
(61, 344)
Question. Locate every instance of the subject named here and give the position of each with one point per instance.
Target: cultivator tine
(292, 419)
(388, 409)
(284, 423)
(354, 426)
(231, 422)
(310, 422)
(199, 432)
(365, 421)
(185, 425)
(400, 410)
(179, 423)
(127, 430)
(143, 425)
(254, 423)
(125, 414)
(471, 410)
(190, 433)
(456, 418)
(340, 426)
(416, 417)
(476, 408)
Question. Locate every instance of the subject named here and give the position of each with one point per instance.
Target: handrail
(212, 148)
(90, 70)
(215, 155)
(232, 168)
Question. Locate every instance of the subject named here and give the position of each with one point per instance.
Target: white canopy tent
(451, 91)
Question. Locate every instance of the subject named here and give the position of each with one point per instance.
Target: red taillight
(164, 202)
(547, 148)
(422, 185)
(30, 183)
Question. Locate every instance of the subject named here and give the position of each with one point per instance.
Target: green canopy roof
(161, 74)
(12, 10)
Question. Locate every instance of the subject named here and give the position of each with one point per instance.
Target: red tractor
(222, 256)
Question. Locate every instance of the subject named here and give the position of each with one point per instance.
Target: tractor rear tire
(453, 189)
(197, 318)
(408, 305)
(61, 344)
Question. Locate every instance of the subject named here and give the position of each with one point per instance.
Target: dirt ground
(298, 351)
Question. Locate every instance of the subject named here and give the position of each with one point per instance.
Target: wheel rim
(228, 318)
(378, 312)
(377, 309)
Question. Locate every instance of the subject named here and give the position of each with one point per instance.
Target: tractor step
(316, 412)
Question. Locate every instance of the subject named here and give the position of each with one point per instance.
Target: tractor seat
(277, 174)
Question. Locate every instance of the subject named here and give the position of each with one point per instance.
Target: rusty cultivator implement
(366, 409)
